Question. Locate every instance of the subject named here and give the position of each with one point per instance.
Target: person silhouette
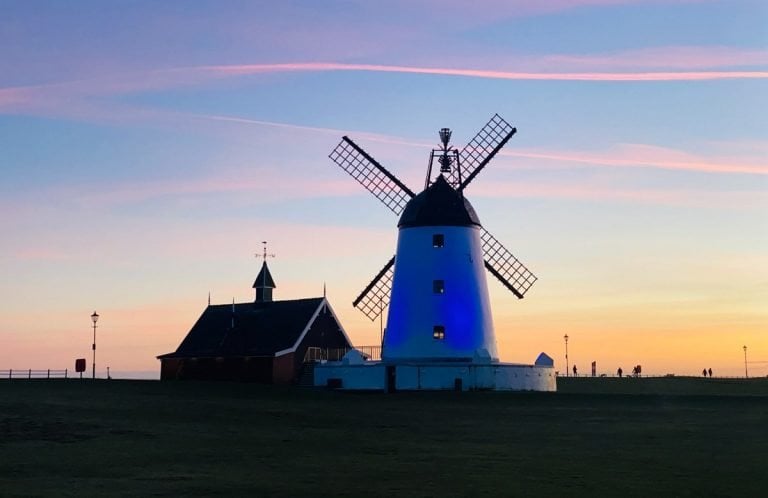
(619, 371)
(710, 373)
(575, 372)
(704, 372)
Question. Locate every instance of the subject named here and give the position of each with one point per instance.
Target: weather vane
(264, 255)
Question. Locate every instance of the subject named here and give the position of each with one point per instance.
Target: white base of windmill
(355, 373)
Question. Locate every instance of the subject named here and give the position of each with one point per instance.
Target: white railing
(336, 354)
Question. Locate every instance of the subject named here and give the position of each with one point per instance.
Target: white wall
(363, 377)
(426, 376)
(525, 378)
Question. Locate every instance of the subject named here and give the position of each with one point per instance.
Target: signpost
(80, 366)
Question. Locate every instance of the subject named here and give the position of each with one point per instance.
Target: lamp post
(94, 318)
(566, 356)
(746, 372)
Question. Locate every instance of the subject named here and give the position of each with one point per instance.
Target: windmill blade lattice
(375, 296)
(371, 175)
(481, 149)
(505, 266)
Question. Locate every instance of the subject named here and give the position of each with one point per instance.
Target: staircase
(307, 375)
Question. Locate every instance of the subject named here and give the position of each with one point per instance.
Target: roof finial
(264, 255)
(209, 298)
(323, 289)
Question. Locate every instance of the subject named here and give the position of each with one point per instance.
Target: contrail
(243, 69)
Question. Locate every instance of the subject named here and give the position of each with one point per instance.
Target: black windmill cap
(438, 205)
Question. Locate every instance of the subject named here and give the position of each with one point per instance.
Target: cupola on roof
(264, 278)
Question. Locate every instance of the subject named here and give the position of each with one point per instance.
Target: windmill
(435, 287)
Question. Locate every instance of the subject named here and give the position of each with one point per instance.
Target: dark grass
(683, 437)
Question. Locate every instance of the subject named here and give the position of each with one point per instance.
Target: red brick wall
(169, 368)
(283, 369)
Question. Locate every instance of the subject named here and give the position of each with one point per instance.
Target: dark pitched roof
(260, 329)
(264, 278)
(438, 205)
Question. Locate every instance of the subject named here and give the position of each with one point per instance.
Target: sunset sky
(149, 147)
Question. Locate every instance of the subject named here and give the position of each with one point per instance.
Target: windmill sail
(371, 175)
(375, 296)
(459, 169)
(481, 149)
(505, 266)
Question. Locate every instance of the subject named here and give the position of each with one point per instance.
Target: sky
(148, 148)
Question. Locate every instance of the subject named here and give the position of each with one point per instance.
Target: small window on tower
(438, 286)
(438, 332)
(438, 240)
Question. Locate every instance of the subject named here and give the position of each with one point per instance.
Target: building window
(438, 332)
(438, 286)
(438, 240)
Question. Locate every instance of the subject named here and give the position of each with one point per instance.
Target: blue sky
(149, 148)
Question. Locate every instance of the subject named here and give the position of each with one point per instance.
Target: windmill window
(438, 332)
(438, 286)
(438, 240)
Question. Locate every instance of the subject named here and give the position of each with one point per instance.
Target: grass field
(598, 437)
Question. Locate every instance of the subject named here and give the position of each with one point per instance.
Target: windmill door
(391, 378)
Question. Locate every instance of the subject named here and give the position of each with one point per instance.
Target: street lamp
(746, 373)
(566, 355)
(95, 318)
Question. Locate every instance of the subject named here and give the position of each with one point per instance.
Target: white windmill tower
(439, 315)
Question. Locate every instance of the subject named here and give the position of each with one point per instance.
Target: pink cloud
(265, 186)
(272, 124)
(679, 58)
(239, 181)
(245, 69)
(336, 132)
(621, 155)
(587, 192)
(642, 60)
(14, 96)
(78, 100)
(648, 156)
(68, 96)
